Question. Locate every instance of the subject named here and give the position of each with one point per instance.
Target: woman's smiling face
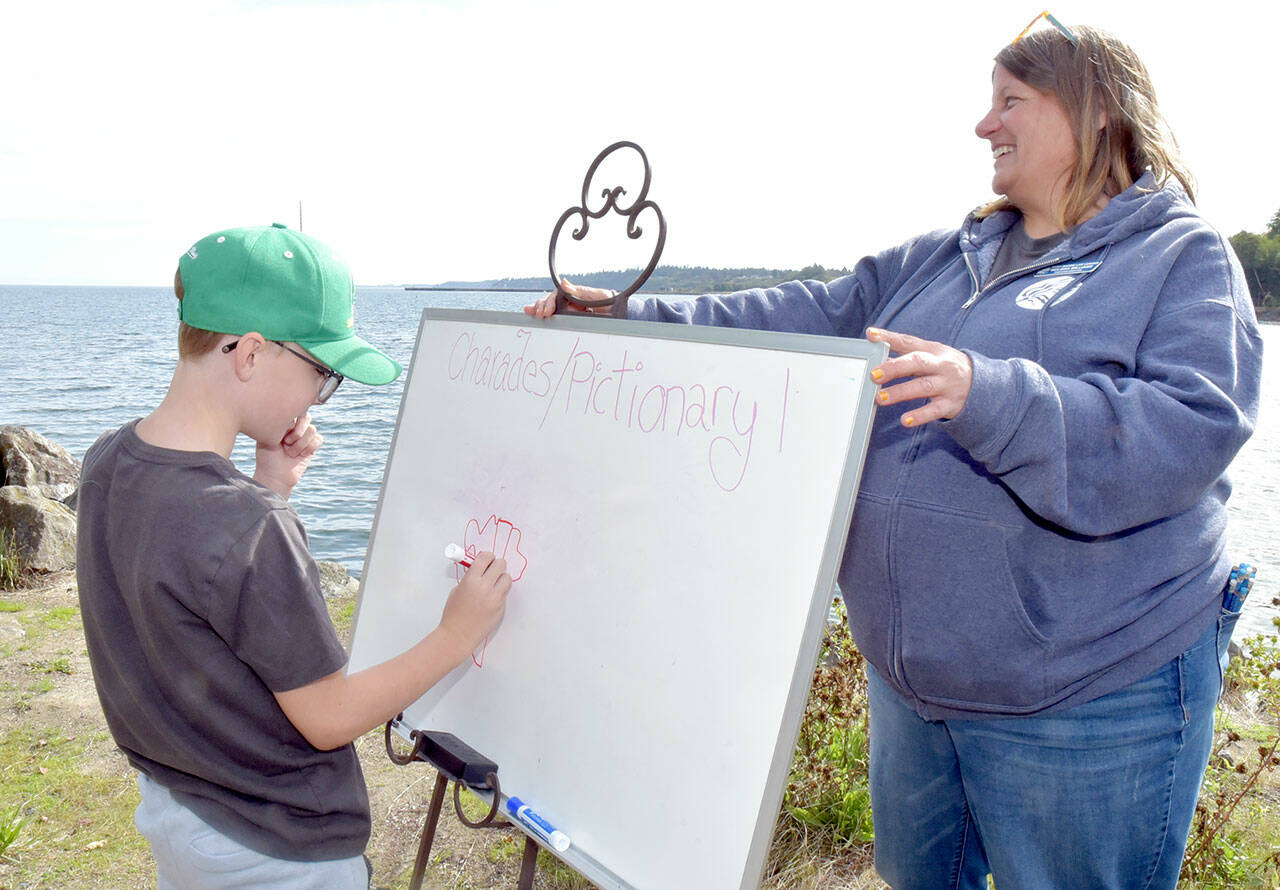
(1033, 148)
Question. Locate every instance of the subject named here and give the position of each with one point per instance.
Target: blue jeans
(1100, 795)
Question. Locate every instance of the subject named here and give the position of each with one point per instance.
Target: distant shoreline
(1266, 314)
(482, 290)
(515, 290)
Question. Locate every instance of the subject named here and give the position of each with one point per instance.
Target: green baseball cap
(286, 286)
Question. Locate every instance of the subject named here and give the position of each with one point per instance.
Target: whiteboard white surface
(672, 502)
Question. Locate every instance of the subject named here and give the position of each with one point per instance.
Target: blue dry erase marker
(539, 826)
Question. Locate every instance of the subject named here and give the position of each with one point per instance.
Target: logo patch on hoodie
(1038, 295)
(1081, 268)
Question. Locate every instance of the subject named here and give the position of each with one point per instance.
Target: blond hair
(192, 342)
(1097, 78)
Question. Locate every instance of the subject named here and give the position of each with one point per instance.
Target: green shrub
(1233, 836)
(11, 823)
(827, 788)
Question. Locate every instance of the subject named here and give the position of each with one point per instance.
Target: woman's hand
(928, 370)
(545, 306)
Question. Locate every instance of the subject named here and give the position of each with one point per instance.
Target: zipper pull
(973, 276)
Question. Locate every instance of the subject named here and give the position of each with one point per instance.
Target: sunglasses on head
(1047, 16)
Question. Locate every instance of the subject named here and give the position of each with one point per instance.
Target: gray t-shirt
(1017, 250)
(199, 598)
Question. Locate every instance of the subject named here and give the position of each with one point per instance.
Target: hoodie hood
(1144, 205)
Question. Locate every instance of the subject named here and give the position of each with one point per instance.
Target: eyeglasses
(328, 386)
(1066, 32)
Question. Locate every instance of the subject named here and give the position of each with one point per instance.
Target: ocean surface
(76, 361)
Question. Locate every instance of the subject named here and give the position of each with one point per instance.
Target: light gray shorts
(192, 855)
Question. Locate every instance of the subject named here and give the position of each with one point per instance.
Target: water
(76, 361)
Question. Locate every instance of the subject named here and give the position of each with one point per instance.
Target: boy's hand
(336, 709)
(476, 605)
(280, 466)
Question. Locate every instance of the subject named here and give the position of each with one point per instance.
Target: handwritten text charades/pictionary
(610, 383)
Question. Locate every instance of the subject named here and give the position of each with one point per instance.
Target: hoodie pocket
(966, 638)
(864, 579)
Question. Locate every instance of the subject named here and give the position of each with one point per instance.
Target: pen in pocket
(1238, 583)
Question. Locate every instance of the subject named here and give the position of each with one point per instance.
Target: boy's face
(285, 387)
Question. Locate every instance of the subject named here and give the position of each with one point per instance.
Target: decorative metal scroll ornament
(632, 211)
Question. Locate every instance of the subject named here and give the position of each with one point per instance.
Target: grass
(552, 874)
(342, 614)
(8, 647)
(60, 665)
(10, 561)
(41, 683)
(11, 823)
(60, 617)
(42, 622)
(76, 826)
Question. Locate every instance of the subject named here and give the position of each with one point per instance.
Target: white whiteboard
(672, 502)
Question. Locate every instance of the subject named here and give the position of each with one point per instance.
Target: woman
(1035, 566)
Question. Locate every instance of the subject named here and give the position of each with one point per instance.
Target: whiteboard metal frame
(833, 550)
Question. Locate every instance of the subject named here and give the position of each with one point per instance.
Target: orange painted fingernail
(883, 396)
(877, 374)
(908, 420)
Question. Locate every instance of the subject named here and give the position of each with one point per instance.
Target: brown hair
(192, 342)
(1097, 76)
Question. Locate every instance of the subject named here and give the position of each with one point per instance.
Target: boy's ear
(246, 354)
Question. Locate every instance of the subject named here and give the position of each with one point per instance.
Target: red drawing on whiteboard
(501, 538)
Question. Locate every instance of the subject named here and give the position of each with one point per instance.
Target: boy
(218, 669)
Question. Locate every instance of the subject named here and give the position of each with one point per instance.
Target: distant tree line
(1260, 257)
(667, 279)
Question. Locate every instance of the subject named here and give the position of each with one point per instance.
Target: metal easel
(444, 776)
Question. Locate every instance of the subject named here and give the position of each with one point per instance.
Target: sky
(434, 141)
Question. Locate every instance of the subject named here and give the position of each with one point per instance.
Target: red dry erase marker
(458, 555)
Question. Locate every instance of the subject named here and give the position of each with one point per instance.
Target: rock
(32, 461)
(44, 529)
(335, 580)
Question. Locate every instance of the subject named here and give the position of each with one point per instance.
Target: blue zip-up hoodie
(1063, 535)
